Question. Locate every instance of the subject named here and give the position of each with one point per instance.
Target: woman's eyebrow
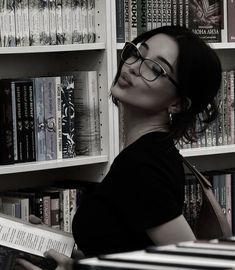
(159, 57)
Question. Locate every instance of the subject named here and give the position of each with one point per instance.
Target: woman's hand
(63, 262)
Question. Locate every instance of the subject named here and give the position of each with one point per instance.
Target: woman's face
(150, 96)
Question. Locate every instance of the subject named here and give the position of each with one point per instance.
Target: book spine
(186, 13)
(174, 12)
(133, 19)
(181, 13)
(68, 117)
(84, 20)
(76, 23)
(72, 205)
(52, 21)
(18, 23)
(59, 28)
(219, 120)
(40, 137)
(231, 75)
(228, 198)
(230, 20)
(19, 121)
(2, 22)
(25, 22)
(164, 12)
(126, 20)
(47, 210)
(31, 114)
(14, 120)
(229, 110)
(91, 21)
(6, 123)
(10, 23)
(44, 24)
(224, 118)
(67, 21)
(120, 25)
(149, 15)
(159, 12)
(55, 209)
(34, 23)
(154, 15)
(58, 117)
(168, 13)
(50, 117)
(66, 211)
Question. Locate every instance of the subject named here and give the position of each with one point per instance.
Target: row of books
(223, 184)
(222, 130)
(49, 118)
(55, 207)
(50, 22)
(205, 17)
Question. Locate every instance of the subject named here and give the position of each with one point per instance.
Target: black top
(143, 188)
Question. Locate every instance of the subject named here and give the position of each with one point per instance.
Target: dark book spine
(68, 117)
(120, 26)
(231, 20)
(6, 123)
(32, 152)
(19, 122)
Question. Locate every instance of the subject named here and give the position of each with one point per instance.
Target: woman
(166, 82)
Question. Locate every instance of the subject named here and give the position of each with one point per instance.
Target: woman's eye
(157, 70)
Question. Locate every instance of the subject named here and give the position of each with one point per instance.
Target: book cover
(6, 123)
(25, 23)
(205, 19)
(10, 23)
(126, 20)
(18, 21)
(149, 15)
(230, 20)
(133, 19)
(44, 22)
(141, 16)
(19, 239)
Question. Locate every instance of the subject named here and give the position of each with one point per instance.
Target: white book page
(33, 238)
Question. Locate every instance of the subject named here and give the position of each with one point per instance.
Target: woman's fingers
(59, 258)
(27, 265)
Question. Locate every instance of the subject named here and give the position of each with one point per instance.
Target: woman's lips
(124, 80)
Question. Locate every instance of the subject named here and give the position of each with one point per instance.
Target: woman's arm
(174, 231)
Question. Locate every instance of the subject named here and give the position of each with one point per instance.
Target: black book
(6, 123)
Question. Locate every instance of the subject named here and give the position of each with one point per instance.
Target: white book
(87, 121)
(10, 23)
(44, 24)
(34, 23)
(18, 21)
(76, 21)
(91, 21)
(25, 22)
(59, 30)
(84, 20)
(52, 21)
(67, 21)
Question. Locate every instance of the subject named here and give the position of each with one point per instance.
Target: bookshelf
(213, 157)
(52, 60)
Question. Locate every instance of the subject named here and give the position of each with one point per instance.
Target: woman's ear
(179, 106)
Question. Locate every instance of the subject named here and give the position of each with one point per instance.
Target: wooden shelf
(206, 151)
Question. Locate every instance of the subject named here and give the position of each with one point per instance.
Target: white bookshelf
(34, 61)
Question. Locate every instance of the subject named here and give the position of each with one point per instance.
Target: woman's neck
(135, 126)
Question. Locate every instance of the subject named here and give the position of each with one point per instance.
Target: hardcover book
(205, 19)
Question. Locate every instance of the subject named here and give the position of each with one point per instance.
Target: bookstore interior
(60, 131)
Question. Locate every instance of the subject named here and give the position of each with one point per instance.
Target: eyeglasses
(149, 69)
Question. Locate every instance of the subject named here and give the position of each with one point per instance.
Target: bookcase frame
(34, 61)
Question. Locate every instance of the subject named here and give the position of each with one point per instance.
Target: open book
(20, 239)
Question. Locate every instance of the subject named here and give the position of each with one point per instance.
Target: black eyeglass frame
(164, 73)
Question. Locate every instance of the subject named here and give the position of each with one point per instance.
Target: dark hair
(199, 78)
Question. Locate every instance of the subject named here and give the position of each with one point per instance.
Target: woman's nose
(135, 68)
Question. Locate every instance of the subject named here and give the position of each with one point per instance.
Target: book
(120, 28)
(87, 123)
(76, 21)
(91, 21)
(6, 123)
(230, 20)
(68, 117)
(59, 28)
(205, 19)
(67, 21)
(34, 23)
(21, 239)
(52, 21)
